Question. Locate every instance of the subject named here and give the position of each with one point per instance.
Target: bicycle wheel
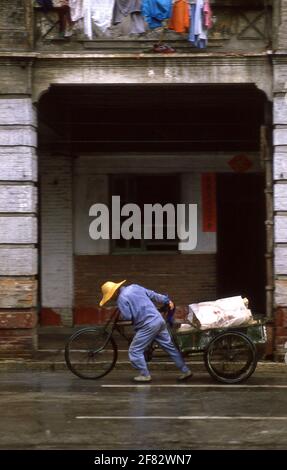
(230, 357)
(90, 354)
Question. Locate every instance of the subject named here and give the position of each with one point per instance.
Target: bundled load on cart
(230, 312)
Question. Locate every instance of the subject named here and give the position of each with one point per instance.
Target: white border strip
(194, 386)
(193, 418)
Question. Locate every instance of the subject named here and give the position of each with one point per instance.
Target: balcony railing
(238, 25)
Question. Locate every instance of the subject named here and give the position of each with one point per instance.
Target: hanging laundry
(102, 13)
(65, 21)
(197, 32)
(77, 9)
(156, 11)
(87, 8)
(207, 15)
(60, 3)
(45, 4)
(124, 8)
(98, 12)
(138, 25)
(180, 19)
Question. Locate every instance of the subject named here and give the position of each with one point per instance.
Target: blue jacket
(155, 11)
(136, 304)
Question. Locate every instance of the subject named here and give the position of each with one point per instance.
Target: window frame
(142, 249)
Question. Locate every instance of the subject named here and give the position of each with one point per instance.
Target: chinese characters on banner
(208, 195)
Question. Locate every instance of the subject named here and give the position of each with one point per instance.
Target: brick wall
(280, 333)
(186, 278)
(280, 9)
(56, 237)
(15, 24)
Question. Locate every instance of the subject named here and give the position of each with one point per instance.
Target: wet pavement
(56, 410)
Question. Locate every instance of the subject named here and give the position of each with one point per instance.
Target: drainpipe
(266, 156)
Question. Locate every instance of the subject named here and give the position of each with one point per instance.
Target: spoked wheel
(230, 357)
(148, 354)
(89, 353)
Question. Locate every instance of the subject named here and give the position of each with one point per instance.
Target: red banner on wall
(208, 195)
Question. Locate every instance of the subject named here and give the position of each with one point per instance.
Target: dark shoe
(163, 48)
(160, 48)
(169, 49)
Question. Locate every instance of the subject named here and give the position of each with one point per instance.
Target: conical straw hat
(108, 290)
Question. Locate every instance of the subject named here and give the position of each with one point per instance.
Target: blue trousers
(153, 331)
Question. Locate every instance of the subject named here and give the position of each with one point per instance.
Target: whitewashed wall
(57, 235)
(88, 190)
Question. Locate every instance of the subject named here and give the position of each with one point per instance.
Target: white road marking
(192, 386)
(193, 418)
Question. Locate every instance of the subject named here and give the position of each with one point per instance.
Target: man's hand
(171, 305)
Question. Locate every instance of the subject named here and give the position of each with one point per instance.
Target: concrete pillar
(18, 226)
(280, 204)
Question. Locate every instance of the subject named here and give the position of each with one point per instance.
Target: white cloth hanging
(60, 3)
(99, 12)
(77, 9)
(88, 19)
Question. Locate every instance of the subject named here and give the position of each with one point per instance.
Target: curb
(55, 366)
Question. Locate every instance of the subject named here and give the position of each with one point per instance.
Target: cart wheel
(89, 353)
(148, 354)
(230, 357)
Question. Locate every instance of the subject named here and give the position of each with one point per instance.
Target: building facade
(84, 119)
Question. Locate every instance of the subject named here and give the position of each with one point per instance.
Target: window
(141, 190)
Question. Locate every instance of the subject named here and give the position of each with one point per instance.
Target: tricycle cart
(230, 355)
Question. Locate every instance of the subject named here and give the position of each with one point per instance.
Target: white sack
(222, 313)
